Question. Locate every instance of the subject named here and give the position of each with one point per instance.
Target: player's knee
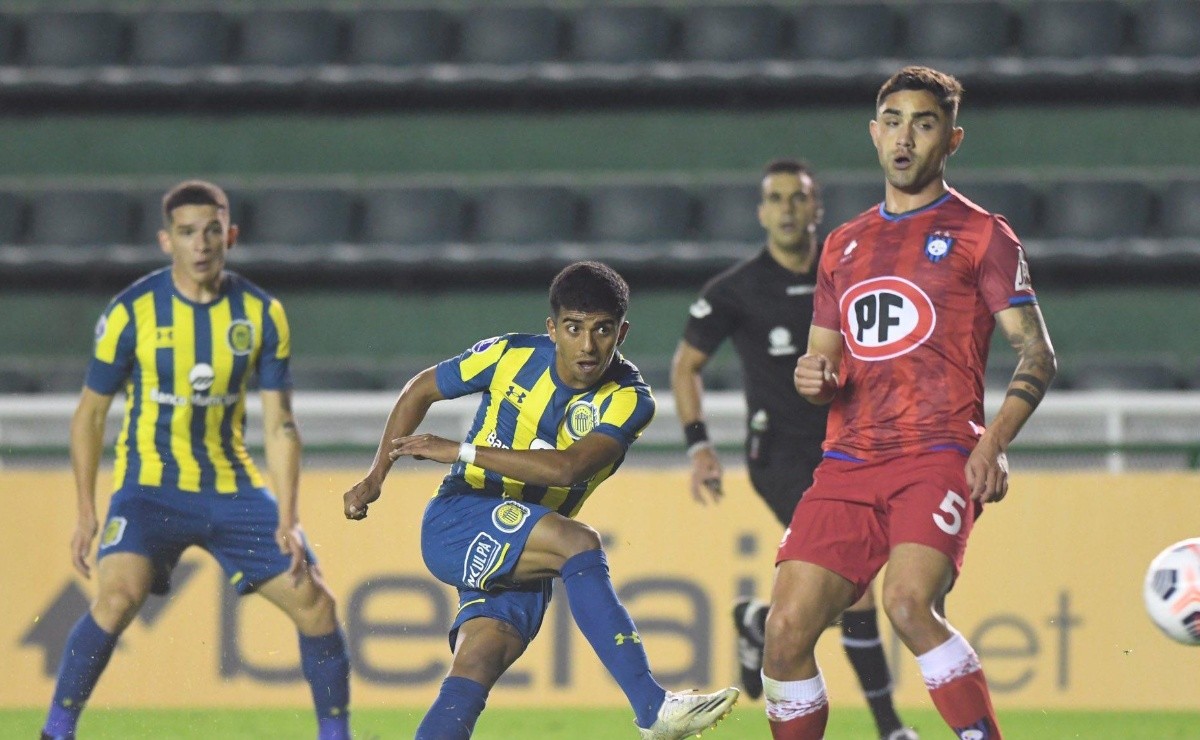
(579, 538)
(908, 609)
(789, 636)
(116, 606)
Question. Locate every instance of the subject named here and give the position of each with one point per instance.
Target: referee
(765, 304)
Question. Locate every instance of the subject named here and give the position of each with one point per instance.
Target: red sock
(805, 727)
(966, 705)
(959, 690)
(797, 710)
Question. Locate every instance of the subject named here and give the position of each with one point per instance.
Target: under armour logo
(515, 394)
(632, 636)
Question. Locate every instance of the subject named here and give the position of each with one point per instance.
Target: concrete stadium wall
(459, 142)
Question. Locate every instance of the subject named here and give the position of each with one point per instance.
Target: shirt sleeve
(472, 371)
(114, 351)
(274, 369)
(711, 319)
(1003, 271)
(826, 313)
(627, 413)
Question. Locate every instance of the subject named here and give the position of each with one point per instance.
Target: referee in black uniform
(765, 304)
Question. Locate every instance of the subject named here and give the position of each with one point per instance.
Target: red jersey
(913, 296)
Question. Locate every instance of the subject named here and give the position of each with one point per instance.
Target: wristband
(694, 433)
(466, 453)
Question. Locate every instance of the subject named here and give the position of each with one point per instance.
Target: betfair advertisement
(1050, 597)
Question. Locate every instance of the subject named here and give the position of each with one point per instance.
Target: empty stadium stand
(590, 54)
(1081, 227)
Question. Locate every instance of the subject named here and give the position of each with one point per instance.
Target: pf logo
(885, 317)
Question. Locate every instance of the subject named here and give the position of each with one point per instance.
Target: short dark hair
(590, 287)
(193, 193)
(946, 88)
(793, 166)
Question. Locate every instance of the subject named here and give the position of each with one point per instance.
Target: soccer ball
(1172, 591)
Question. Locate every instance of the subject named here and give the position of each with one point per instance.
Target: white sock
(953, 659)
(790, 699)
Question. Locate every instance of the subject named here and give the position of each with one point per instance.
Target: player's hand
(425, 447)
(815, 378)
(987, 472)
(81, 544)
(355, 501)
(290, 539)
(706, 476)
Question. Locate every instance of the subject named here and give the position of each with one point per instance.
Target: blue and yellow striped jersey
(526, 407)
(184, 367)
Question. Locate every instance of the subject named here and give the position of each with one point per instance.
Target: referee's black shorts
(782, 470)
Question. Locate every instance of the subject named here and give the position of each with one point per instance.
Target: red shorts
(856, 512)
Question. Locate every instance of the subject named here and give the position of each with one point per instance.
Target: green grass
(578, 724)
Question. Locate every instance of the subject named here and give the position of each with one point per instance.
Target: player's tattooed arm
(1025, 330)
(288, 427)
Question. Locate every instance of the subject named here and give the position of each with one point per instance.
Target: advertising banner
(1050, 596)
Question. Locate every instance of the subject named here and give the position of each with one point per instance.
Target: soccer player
(765, 304)
(908, 294)
(183, 342)
(557, 413)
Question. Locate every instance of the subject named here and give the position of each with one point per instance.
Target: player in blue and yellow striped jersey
(182, 343)
(557, 414)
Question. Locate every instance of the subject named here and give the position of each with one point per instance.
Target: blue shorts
(160, 523)
(473, 543)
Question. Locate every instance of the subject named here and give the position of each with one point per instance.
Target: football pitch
(583, 724)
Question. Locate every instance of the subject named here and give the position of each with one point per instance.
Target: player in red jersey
(908, 294)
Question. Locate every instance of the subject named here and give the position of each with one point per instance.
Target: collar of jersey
(901, 216)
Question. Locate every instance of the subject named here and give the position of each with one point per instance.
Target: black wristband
(695, 433)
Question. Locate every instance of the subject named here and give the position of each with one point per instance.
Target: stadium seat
(1012, 199)
(729, 213)
(79, 217)
(636, 214)
(400, 36)
(12, 207)
(289, 38)
(1108, 373)
(1168, 27)
(13, 380)
(508, 35)
(148, 219)
(333, 375)
(62, 375)
(412, 216)
(615, 34)
(845, 200)
(525, 215)
(957, 30)
(1072, 28)
(732, 33)
(999, 371)
(8, 39)
(1096, 209)
(300, 217)
(72, 39)
(841, 32)
(180, 39)
(1180, 212)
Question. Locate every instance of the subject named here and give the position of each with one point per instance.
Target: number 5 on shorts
(954, 506)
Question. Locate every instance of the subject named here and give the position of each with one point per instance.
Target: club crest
(937, 246)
